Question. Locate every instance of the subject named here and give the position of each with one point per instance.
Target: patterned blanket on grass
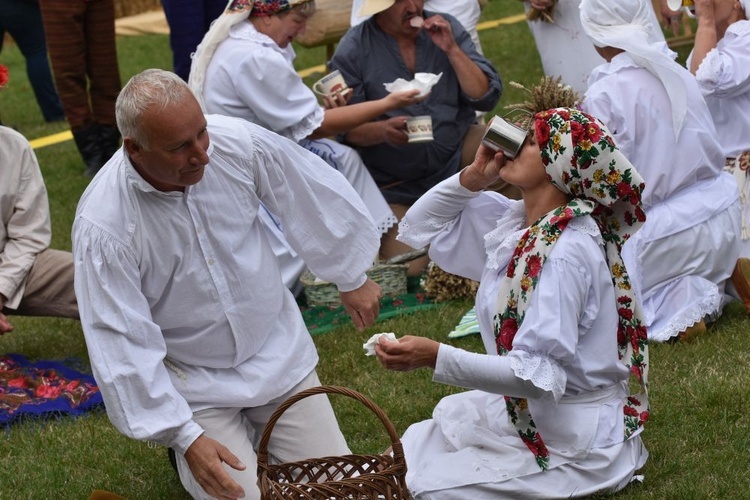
(43, 388)
(320, 319)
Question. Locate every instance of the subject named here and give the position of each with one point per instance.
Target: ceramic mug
(331, 85)
(419, 128)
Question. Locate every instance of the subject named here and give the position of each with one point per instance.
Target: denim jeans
(23, 20)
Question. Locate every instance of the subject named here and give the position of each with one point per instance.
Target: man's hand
(5, 326)
(394, 130)
(363, 304)
(440, 32)
(205, 457)
(408, 353)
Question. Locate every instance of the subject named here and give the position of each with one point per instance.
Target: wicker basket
(389, 274)
(390, 277)
(348, 477)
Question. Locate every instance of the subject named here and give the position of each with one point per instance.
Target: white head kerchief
(746, 7)
(628, 25)
(235, 12)
(218, 32)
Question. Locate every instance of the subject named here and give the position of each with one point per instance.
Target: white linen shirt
(182, 303)
(25, 230)
(724, 80)
(567, 343)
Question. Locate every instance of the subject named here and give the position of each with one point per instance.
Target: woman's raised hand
(396, 100)
(340, 99)
(484, 170)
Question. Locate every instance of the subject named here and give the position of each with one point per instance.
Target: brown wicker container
(389, 274)
(348, 477)
(390, 277)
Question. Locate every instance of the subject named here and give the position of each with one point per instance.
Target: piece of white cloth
(632, 26)
(25, 228)
(421, 81)
(251, 77)
(566, 347)
(681, 258)
(369, 346)
(466, 11)
(182, 303)
(563, 47)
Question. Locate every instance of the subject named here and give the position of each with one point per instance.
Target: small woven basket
(347, 477)
(390, 277)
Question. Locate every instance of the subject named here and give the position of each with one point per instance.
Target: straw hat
(371, 7)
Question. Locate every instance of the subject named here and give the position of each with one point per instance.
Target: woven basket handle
(398, 450)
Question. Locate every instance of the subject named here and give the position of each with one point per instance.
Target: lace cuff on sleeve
(541, 370)
(305, 126)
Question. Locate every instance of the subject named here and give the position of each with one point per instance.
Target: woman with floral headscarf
(552, 415)
(681, 261)
(720, 62)
(244, 68)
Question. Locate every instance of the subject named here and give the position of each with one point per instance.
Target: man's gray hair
(152, 87)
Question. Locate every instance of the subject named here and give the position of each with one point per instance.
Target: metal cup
(501, 135)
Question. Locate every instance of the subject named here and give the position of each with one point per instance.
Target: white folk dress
(563, 46)
(251, 77)
(566, 346)
(724, 80)
(681, 258)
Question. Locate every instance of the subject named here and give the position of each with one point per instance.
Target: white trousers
(307, 429)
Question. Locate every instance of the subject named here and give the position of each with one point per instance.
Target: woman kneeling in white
(552, 415)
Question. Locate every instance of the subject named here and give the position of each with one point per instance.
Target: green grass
(700, 392)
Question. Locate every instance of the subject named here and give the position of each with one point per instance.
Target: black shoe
(110, 140)
(172, 459)
(88, 142)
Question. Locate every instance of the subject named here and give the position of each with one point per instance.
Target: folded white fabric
(369, 346)
(422, 82)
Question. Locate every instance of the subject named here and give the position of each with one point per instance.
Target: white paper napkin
(422, 82)
(369, 346)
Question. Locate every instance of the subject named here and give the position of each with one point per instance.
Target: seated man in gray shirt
(390, 45)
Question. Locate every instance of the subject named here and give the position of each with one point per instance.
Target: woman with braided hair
(551, 414)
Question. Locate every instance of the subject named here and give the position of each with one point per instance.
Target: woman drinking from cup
(551, 415)
(243, 68)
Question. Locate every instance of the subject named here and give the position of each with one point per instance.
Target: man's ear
(132, 148)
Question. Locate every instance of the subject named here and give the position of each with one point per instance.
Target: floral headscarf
(236, 12)
(581, 159)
